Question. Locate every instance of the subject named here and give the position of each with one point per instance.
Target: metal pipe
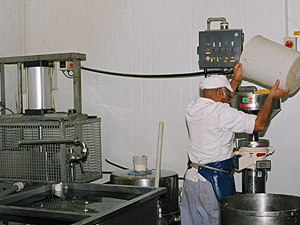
(76, 142)
(224, 24)
(2, 81)
(16, 187)
(286, 17)
(20, 88)
(46, 141)
(77, 87)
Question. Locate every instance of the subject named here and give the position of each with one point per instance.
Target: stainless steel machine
(54, 155)
(37, 143)
(252, 151)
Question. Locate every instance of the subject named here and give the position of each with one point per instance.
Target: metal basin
(260, 209)
(71, 203)
(168, 179)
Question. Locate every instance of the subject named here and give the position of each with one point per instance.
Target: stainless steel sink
(71, 203)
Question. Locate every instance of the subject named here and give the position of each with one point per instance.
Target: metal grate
(47, 162)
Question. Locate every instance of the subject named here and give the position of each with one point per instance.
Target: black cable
(178, 75)
(67, 75)
(6, 109)
(107, 172)
(116, 165)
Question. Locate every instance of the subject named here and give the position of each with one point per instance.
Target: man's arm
(237, 77)
(263, 116)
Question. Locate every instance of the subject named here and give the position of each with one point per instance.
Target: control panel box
(220, 48)
(66, 65)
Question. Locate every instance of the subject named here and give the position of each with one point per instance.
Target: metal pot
(260, 209)
(168, 179)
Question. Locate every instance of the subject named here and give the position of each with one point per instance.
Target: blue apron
(222, 182)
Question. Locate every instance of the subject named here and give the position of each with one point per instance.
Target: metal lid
(126, 174)
(122, 177)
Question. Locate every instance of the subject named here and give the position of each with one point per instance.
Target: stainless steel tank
(260, 209)
(168, 179)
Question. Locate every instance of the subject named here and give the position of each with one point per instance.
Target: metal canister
(39, 85)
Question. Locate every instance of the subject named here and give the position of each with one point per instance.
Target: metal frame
(75, 57)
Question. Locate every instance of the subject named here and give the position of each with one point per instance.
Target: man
(212, 124)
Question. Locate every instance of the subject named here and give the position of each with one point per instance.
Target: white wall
(12, 16)
(157, 36)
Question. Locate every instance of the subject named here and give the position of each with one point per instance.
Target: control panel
(66, 65)
(220, 48)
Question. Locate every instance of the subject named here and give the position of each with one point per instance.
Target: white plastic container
(264, 61)
(140, 163)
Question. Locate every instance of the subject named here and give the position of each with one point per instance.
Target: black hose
(8, 191)
(178, 75)
(116, 165)
(107, 172)
(14, 188)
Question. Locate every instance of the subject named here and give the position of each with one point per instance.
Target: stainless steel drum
(260, 209)
(168, 179)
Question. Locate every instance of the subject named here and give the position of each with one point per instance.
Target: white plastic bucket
(264, 61)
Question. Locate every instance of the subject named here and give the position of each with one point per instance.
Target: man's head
(217, 88)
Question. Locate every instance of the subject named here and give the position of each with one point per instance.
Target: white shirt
(211, 127)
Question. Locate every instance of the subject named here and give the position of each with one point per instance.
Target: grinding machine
(252, 151)
(219, 51)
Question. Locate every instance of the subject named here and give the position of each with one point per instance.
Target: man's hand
(263, 115)
(277, 92)
(237, 73)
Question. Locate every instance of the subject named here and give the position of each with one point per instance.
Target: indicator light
(290, 42)
(261, 154)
